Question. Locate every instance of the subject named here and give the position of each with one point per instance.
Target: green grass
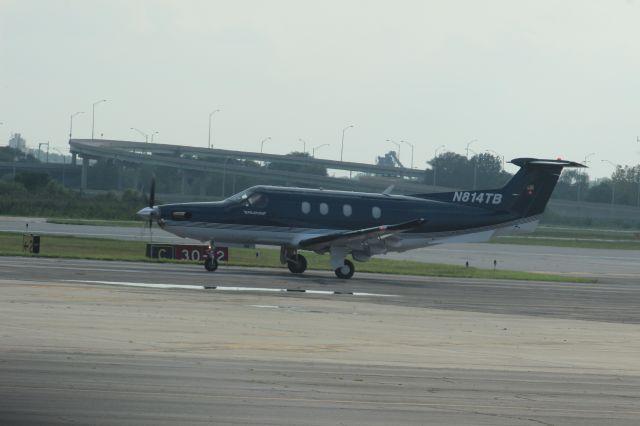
(105, 249)
(576, 238)
(97, 222)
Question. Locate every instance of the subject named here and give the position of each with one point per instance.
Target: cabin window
(346, 210)
(324, 208)
(180, 215)
(306, 207)
(376, 212)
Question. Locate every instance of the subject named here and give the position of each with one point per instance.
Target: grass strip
(97, 222)
(106, 249)
(570, 243)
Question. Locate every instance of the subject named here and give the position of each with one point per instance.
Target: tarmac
(93, 342)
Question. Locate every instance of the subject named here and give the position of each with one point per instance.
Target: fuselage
(284, 216)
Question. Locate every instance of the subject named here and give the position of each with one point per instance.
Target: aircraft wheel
(211, 264)
(345, 272)
(298, 264)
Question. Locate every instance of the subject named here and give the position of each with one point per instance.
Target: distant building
(18, 142)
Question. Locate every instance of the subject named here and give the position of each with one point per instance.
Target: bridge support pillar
(203, 185)
(74, 158)
(83, 176)
(183, 182)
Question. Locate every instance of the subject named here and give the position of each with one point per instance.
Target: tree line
(483, 171)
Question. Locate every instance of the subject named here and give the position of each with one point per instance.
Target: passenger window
(324, 208)
(306, 207)
(376, 212)
(346, 210)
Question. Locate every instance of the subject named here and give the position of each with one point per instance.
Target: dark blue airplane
(362, 224)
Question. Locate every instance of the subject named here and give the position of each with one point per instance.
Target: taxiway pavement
(81, 344)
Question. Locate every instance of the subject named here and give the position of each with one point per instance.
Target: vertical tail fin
(528, 192)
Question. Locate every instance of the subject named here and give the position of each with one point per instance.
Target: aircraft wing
(359, 235)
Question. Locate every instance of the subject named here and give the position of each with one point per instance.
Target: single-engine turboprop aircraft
(362, 224)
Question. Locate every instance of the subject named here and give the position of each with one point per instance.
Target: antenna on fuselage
(388, 190)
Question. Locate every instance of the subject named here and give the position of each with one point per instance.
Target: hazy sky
(524, 78)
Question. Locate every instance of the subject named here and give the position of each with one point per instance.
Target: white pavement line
(211, 287)
(148, 285)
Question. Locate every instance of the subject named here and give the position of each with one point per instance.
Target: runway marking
(225, 288)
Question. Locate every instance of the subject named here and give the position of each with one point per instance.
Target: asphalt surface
(623, 264)
(609, 302)
(82, 344)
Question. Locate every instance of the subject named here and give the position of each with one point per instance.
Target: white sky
(524, 78)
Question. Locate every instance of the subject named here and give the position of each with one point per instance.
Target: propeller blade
(152, 192)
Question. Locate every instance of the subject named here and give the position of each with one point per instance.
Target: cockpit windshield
(250, 198)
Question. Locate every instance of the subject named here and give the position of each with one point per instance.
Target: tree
(299, 168)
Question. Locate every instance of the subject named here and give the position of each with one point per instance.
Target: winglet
(388, 190)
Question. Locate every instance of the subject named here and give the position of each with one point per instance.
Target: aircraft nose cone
(147, 212)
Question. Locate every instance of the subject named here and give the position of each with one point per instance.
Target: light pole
(71, 122)
(209, 139)
(304, 144)
(64, 163)
(146, 136)
(342, 144)
(93, 115)
(262, 143)
(613, 182)
(313, 150)
(39, 145)
(475, 167)
(398, 145)
(585, 162)
(469, 144)
(435, 157)
(411, 145)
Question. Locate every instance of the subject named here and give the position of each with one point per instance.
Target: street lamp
(584, 173)
(71, 122)
(209, 139)
(411, 145)
(313, 150)
(342, 144)
(262, 143)
(146, 136)
(475, 166)
(470, 142)
(64, 162)
(93, 114)
(396, 144)
(304, 144)
(435, 157)
(613, 182)
(39, 145)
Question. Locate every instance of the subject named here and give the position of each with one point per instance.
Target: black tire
(349, 274)
(211, 264)
(298, 264)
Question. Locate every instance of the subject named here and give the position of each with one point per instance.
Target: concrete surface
(435, 351)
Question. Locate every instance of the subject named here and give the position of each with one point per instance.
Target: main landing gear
(346, 271)
(210, 261)
(342, 267)
(296, 263)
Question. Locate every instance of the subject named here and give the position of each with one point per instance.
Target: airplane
(362, 225)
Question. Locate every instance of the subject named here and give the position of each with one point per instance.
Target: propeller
(150, 212)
